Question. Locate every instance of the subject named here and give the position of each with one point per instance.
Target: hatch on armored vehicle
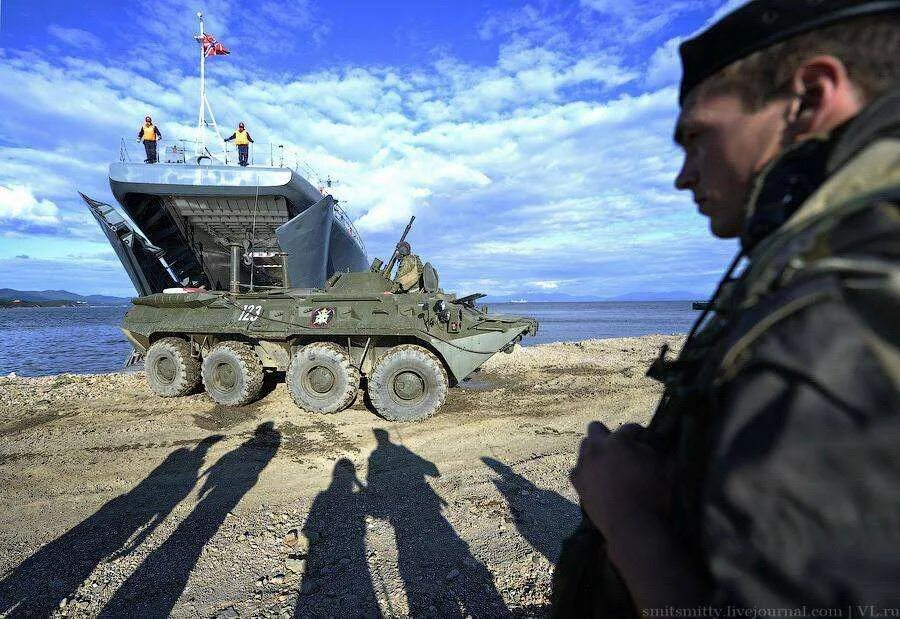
(399, 334)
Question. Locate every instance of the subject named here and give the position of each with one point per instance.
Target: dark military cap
(760, 24)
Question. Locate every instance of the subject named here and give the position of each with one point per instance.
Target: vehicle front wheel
(322, 379)
(409, 383)
(232, 374)
(171, 370)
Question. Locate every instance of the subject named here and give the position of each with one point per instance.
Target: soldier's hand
(620, 481)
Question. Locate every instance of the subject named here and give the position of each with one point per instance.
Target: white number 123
(250, 313)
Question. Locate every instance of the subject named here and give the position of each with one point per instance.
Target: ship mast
(204, 102)
(201, 120)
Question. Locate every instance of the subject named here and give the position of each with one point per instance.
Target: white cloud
(545, 285)
(665, 65)
(19, 208)
(407, 183)
(74, 37)
(637, 20)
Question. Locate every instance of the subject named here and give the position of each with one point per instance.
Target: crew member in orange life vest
(242, 138)
(149, 134)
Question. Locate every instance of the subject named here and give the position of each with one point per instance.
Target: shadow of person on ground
(439, 573)
(55, 571)
(153, 589)
(337, 572)
(543, 517)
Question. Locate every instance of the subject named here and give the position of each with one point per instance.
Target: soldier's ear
(808, 104)
(823, 98)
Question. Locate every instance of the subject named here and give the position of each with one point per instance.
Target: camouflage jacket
(783, 412)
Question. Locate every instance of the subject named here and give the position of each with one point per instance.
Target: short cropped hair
(869, 48)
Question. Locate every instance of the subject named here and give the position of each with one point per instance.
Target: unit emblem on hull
(321, 317)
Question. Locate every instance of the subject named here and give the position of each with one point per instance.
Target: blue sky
(531, 140)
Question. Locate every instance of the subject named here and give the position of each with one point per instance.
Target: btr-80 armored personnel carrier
(408, 338)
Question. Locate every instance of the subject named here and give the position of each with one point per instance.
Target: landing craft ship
(186, 216)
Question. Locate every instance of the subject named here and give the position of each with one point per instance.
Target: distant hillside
(18, 303)
(540, 297)
(61, 295)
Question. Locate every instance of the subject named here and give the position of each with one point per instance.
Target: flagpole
(216, 129)
(201, 119)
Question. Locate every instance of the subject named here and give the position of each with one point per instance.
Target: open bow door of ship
(140, 258)
(306, 239)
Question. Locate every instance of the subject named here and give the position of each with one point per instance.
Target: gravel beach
(117, 502)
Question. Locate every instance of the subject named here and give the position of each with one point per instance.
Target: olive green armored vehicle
(400, 334)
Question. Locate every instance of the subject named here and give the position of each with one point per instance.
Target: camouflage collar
(879, 119)
(790, 179)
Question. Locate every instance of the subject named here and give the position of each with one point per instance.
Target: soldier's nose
(686, 178)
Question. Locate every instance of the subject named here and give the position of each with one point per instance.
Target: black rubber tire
(414, 360)
(337, 361)
(246, 369)
(171, 370)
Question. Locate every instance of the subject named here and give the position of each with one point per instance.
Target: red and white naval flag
(211, 47)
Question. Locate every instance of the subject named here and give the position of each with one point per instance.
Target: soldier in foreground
(770, 474)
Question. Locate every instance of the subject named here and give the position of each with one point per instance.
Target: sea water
(36, 341)
(570, 322)
(85, 340)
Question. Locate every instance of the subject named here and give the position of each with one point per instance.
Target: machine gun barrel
(396, 255)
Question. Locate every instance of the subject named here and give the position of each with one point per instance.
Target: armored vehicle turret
(400, 334)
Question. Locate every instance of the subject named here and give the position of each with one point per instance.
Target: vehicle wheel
(408, 383)
(321, 378)
(232, 374)
(171, 370)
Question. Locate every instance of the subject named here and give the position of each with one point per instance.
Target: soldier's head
(344, 474)
(147, 120)
(381, 436)
(241, 126)
(770, 74)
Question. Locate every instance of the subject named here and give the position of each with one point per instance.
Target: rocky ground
(116, 502)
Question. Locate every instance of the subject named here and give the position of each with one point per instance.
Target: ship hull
(190, 214)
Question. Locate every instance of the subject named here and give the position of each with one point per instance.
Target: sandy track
(115, 501)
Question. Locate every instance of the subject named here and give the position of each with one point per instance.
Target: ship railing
(341, 214)
(267, 154)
